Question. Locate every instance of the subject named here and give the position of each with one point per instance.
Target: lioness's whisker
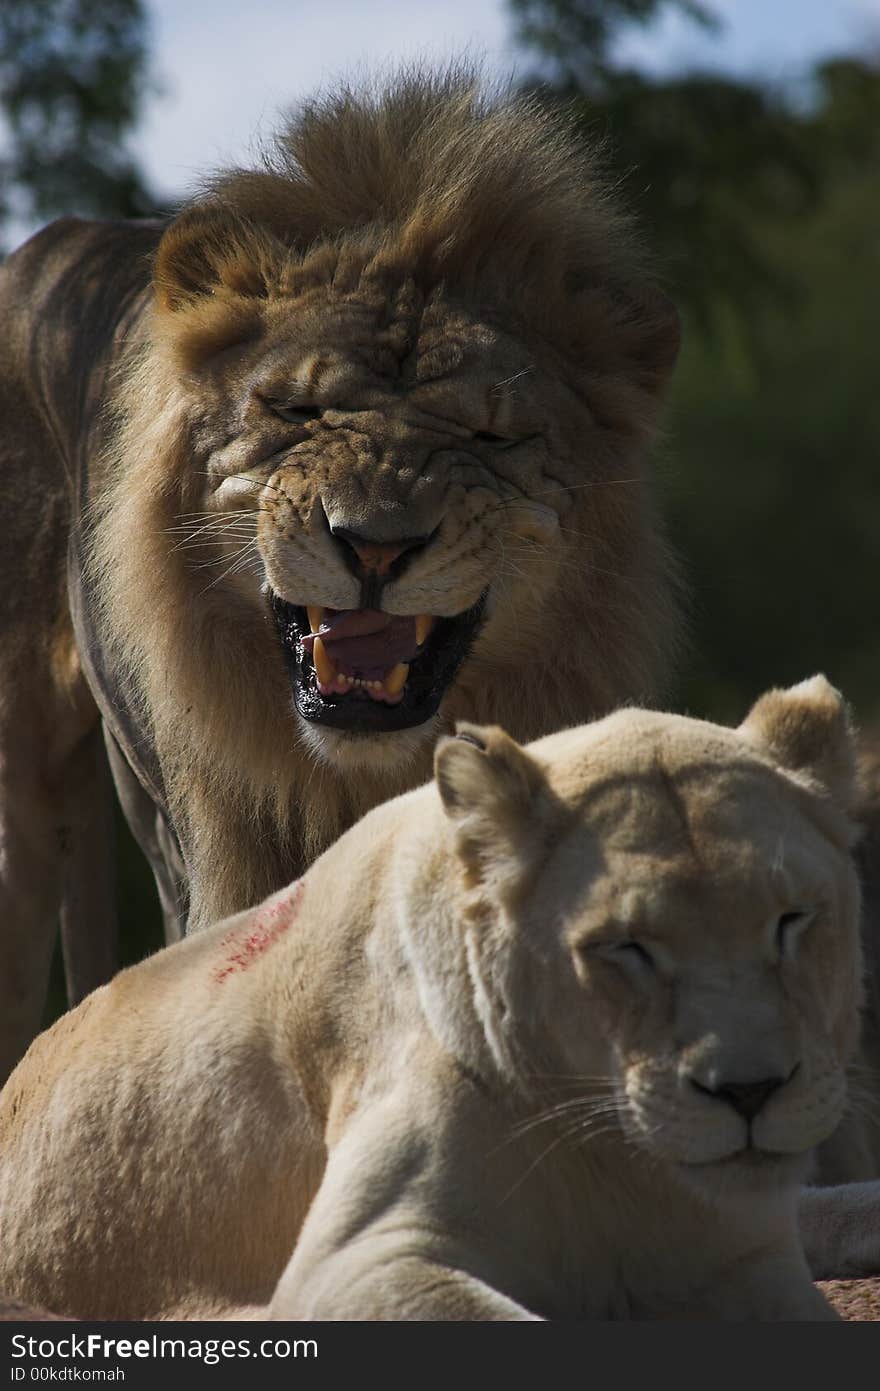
(555, 1142)
(585, 1136)
(590, 1126)
(585, 1105)
(570, 1076)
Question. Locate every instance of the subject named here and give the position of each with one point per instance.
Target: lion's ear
(491, 790)
(632, 329)
(807, 729)
(653, 329)
(211, 248)
(213, 272)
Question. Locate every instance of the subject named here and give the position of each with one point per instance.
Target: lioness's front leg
(840, 1230)
(376, 1277)
(381, 1240)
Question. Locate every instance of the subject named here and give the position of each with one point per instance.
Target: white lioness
(554, 1037)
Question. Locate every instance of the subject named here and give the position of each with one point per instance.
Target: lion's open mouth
(369, 671)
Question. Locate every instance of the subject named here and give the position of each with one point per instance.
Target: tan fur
(438, 1070)
(426, 262)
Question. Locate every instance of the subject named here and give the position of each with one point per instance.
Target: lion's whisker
(231, 570)
(257, 482)
(217, 527)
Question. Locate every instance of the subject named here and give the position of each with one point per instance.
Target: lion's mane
(496, 197)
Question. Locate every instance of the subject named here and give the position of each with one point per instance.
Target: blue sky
(777, 37)
(225, 68)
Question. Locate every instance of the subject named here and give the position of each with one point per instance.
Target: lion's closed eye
(503, 441)
(294, 413)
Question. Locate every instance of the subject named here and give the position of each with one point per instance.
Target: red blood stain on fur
(243, 946)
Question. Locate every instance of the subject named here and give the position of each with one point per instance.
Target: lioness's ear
(807, 729)
(490, 789)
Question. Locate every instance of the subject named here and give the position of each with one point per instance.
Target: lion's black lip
(430, 676)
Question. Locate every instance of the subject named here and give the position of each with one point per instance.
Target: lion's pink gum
(271, 922)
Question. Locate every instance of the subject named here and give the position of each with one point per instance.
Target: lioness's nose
(370, 558)
(745, 1097)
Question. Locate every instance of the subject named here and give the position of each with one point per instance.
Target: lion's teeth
(424, 624)
(323, 665)
(316, 617)
(396, 679)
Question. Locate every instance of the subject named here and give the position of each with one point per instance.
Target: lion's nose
(374, 559)
(746, 1098)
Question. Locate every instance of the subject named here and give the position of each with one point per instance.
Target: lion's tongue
(365, 642)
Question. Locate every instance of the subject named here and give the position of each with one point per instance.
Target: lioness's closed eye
(553, 1037)
(709, 910)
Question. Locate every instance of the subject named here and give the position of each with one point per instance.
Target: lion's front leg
(56, 858)
(53, 823)
(30, 897)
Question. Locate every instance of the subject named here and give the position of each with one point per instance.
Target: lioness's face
(715, 945)
(393, 470)
(680, 939)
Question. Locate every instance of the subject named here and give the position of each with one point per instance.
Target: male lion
(352, 448)
(554, 1037)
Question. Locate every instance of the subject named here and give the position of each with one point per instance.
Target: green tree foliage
(708, 161)
(575, 38)
(72, 82)
(775, 442)
(701, 157)
(764, 211)
(846, 126)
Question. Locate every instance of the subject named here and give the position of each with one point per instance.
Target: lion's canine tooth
(396, 679)
(315, 616)
(323, 665)
(424, 624)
